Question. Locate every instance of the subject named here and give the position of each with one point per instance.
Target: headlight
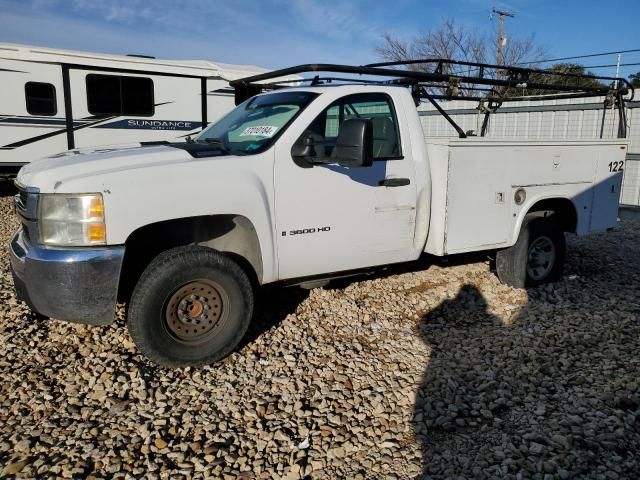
(72, 220)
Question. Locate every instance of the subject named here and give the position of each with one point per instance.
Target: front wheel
(537, 257)
(191, 307)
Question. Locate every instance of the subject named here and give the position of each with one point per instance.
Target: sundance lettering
(161, 124)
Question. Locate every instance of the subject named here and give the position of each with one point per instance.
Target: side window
(374, 106)
(115, 95)
(332, 122)
(41, 98)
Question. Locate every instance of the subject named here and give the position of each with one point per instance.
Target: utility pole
(501, 40)
(615, 85)
(617, 70)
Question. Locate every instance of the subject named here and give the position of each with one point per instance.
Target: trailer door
(32, 119)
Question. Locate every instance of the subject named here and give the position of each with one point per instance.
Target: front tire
(537, 257)
(191, 307)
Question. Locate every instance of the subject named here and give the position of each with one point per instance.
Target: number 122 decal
(616, 166)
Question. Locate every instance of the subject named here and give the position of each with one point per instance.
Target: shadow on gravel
(7, 188)
(552, 395)
(275, 302)
(423, 263)
(273, 305)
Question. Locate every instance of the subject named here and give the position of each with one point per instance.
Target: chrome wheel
(541, 258)
(194, 310)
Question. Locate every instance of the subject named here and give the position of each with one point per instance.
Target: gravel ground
(437, 371)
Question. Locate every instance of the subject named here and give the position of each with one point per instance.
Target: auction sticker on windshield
(267, 131)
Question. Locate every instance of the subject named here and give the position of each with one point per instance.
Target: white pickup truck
(297, 184)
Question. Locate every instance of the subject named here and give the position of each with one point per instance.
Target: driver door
(331, 218)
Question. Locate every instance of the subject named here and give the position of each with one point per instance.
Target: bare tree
(450, 40)
(457, 42)
(523, 51)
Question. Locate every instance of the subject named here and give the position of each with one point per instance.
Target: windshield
(254, 125)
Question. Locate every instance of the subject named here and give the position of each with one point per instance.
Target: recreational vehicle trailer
(55, 100)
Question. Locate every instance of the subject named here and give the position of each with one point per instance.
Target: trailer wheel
(537, 257)
(191, 307)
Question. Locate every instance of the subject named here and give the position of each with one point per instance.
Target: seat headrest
(382, 127)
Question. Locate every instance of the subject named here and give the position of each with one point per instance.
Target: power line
(585, 67)
(612, 65)
(579, 56)
(468, 71)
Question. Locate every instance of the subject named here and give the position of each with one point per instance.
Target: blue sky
(278, 33)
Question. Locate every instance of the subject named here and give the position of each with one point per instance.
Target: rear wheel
(191, 306)
(537, 257)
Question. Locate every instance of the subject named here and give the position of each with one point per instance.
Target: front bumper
(76, 284)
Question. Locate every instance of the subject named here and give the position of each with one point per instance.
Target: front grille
(21, 200)
(26, 201)
(22, 194)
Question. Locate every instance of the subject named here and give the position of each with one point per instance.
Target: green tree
(634, 78)
(560, 74)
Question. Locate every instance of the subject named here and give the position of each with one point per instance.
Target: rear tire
(191, 307)
(537, 257)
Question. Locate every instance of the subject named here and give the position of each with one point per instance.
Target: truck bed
(474, 181)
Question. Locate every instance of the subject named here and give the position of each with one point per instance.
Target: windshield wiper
(214, 140)
(218, 142)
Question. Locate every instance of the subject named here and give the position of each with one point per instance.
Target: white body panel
(558, 119)
(366, 221)
(176, 91)
(475, 181)
(460, 195)
(141, 186)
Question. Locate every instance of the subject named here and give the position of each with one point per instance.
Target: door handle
(394, 182)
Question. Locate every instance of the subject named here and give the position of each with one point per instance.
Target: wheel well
(231, 234)
(561, 210)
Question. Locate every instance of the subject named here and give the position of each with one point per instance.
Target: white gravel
(438, 371)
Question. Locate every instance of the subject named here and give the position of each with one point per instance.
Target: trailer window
(116, 95)
(41, 98)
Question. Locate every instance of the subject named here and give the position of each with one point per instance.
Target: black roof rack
(454, 80)
(139, 55)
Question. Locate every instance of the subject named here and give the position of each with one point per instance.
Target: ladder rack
(439, 79)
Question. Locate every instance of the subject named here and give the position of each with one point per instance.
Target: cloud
(196, 30)
(271, 33)
(332, 20)
(338, 20)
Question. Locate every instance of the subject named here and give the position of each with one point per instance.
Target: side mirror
(354, 146)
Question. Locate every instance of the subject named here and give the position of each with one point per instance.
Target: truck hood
(51, 173)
